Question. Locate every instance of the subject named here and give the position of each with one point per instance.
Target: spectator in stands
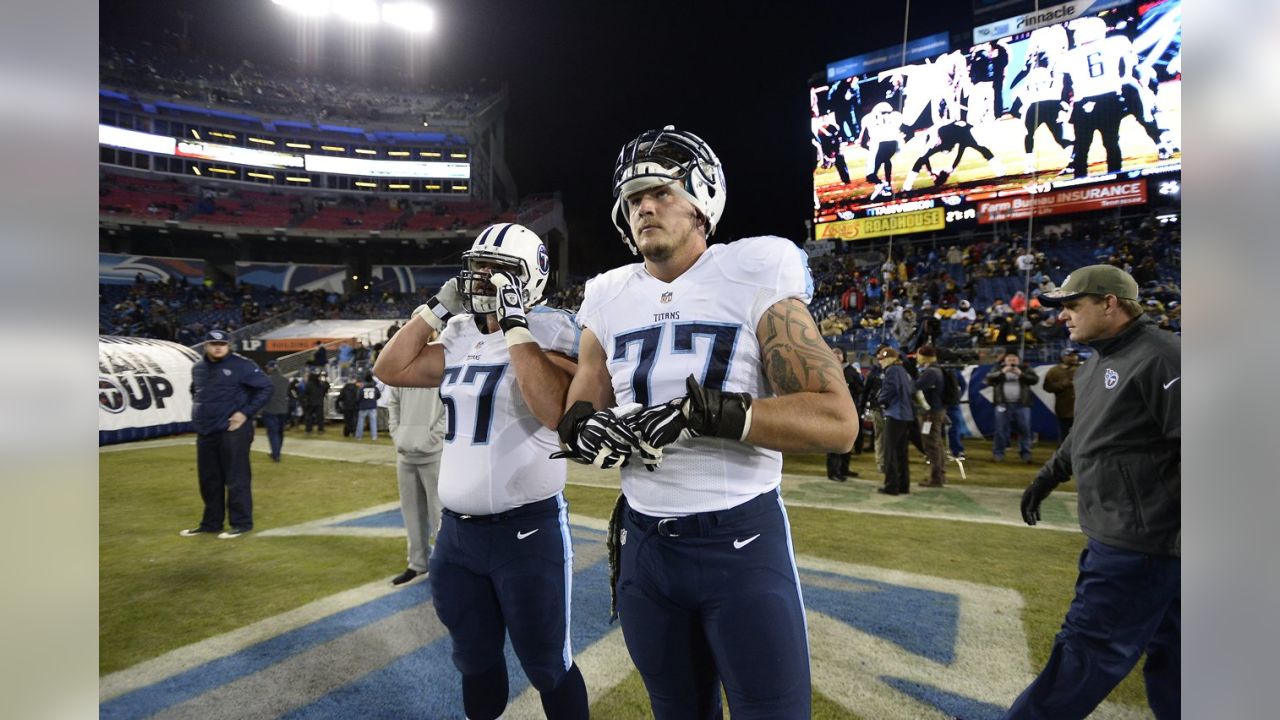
(226, 391)
(313, 395)
(1060, 380)
(276, 412)
(348, 403)
(1025, 262)
(998, 310)
(905, 329)
(392, 329)
(933, 418)
(895, 397)
(1018, 303)
(1011, 395)
(368, 407)
(965, 312)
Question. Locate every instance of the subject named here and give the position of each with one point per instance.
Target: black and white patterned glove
(599, 438)
(656, 427)
(510, 308)
(442, 306)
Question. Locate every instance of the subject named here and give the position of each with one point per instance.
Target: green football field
(159, 592)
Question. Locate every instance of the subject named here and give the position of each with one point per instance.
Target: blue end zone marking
(425, 683)
(388, 519)
(923, 622)
(949, 703)
(180, 688)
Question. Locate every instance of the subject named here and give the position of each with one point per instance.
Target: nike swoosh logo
(523, 535)
(739, 544)
(1171, 382)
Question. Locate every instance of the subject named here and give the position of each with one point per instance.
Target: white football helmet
(1088, 29)
(505, 247)
(668, 156)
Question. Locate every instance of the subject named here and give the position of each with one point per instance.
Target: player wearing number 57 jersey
(717, 346)
(502, 564)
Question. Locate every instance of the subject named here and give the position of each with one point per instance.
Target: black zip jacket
(1125, 448)
(220, 389)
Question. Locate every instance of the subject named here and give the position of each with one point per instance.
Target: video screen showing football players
(1091, 97)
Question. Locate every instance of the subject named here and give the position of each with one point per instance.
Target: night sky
(586, 77)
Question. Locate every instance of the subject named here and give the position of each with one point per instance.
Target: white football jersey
(656, 334)
(1041, 84)
(1097, 68)
(496, 453)
(883, 126)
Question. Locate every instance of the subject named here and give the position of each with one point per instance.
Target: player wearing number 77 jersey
(719, 347)
(502, 563)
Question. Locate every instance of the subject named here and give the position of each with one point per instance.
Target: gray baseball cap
(1093, 280)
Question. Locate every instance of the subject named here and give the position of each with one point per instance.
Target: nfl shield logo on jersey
(1110, 378)
(666, 298)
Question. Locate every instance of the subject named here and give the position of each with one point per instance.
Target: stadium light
(411, 16)
(363, 12)
(313, 8)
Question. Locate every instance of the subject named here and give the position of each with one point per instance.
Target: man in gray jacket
(1125, 453)
(416, 419)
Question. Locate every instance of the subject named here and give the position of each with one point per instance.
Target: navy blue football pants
(510, 573)
(1126, 603)
(222, 464)
(715, 598)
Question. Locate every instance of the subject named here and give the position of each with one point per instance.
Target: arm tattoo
(793, 354)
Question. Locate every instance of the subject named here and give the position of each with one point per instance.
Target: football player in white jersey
(1041, 99)
(719, 347)
(883, 128)
(1093, 73)
(502, 560)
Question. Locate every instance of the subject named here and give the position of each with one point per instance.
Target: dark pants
(955, 428)
(222, 465)
(314, 415)
(1101, 116)
(348, 423)
(838, 465)
(1044, 112)
(508, 574)
(1126, 603)
(897, 436)
(1064, 428)
(275, 432)
(714, 598)
(935, 444)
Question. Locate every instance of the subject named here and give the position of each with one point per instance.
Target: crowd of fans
(168, 66)
(987, 293)
(952, 297)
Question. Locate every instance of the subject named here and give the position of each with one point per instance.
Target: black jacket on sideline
(220, 389)
(1125, 448)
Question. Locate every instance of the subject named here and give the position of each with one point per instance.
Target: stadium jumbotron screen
(1002, 119)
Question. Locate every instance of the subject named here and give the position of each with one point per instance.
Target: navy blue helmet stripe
(501, 234)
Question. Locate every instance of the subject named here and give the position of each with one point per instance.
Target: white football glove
(442, 306)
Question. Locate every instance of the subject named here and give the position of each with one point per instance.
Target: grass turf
(159, 591)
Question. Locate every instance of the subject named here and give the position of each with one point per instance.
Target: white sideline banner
(144, 388)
